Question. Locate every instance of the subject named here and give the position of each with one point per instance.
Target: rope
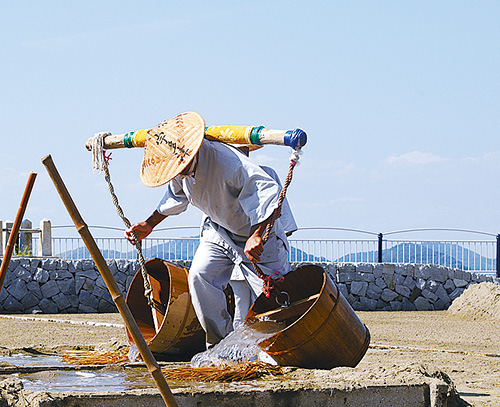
(268, 283)
(100, 162)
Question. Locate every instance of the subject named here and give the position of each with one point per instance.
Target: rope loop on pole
(100, 163)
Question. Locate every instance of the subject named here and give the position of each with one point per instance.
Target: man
(239, 199)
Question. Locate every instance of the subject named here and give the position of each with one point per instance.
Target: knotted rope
(100, 163)
(269, 283)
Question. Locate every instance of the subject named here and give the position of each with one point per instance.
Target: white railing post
(45, 241)
(6, 233)
(25, 246)
(1, 238)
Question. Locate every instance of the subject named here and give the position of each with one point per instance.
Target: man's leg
(209, 273)
(248, 286)
(243, 299)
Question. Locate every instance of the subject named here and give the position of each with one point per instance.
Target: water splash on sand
(240, 346)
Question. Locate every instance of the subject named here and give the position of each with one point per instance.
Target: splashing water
(240, 346)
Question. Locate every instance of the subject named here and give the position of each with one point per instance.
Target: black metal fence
(471, 255)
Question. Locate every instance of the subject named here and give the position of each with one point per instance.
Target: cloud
(493, 156)
(414, 158)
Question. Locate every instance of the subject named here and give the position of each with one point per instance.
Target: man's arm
(254, 245)
(143, 229)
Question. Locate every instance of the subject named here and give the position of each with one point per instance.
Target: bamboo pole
(108, 278)
(15, 228)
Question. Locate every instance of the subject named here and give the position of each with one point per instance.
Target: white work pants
(245, 293)
(211, 271)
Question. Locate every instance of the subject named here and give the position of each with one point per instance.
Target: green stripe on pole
(255, 135)
(127, 140)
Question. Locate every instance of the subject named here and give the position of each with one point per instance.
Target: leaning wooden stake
(15, 228)
(108, 278)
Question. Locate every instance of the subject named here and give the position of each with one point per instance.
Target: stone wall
(401, 287)
(57, 286)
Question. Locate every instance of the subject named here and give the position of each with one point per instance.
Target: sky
(400, 100)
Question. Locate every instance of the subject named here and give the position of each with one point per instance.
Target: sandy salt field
(463, 343)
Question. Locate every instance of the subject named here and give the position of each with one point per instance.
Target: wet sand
(467, 350)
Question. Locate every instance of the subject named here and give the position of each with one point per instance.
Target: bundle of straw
(96, 357)
(226, 373)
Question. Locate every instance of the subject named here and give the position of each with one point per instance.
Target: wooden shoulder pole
(15, 228)
(108, 278)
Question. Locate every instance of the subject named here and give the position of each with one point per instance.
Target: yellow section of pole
(15, 228)
(139, 138)
(229, 134)
(108, 278)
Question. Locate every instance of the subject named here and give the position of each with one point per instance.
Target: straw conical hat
(170, 147)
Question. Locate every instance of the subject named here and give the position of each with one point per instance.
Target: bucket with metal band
(321, 330)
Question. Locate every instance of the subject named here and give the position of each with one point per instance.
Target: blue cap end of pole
(296, 138)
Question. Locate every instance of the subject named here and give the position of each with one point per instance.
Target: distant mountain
(82, 253)
(449, 254)
(172, 250)
(167, 250)
(297, 255)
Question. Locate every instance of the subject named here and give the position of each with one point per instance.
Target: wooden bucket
(176, 333)
(321, 331)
